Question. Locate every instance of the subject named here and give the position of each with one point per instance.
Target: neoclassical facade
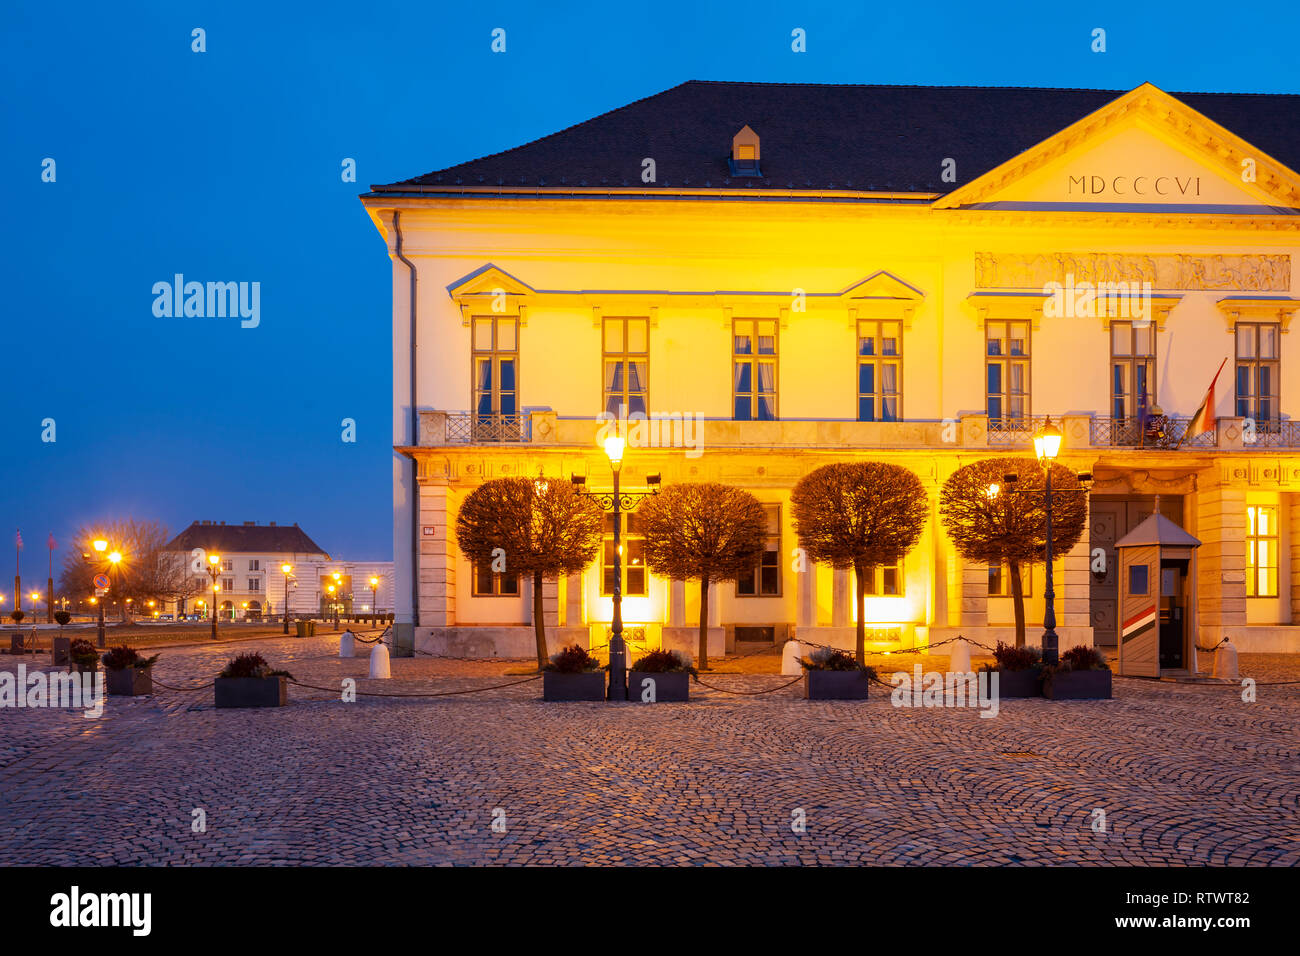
(759, 279)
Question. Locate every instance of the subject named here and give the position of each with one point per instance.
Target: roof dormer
(744, 153)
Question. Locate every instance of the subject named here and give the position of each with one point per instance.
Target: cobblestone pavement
(1184, 774)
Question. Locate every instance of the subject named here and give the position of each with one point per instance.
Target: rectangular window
(632, 541)
(228, 564)
(227, 584)
(488, 583)
(1132, 369)
(254, 584)
(1007, 370)
(495, 370)
(753, 369)
(1261, 551)
(1258, 372)
(886, 581)
(880, 370)
(1000, 580)
(626, 364)
(764, 579)
(254, 564)
(1137, 579)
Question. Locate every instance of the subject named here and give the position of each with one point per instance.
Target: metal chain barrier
(444, 693)
(746, 693)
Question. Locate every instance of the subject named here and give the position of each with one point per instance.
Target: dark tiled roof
(819, 136)
(246, 539)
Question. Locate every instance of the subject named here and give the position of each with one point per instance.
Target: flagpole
(49, 586)
(18, 576)
(1208, 392)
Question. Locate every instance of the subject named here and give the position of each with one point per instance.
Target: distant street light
(214, 568)
(286, 568)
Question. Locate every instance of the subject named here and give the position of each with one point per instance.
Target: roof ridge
(542, 139)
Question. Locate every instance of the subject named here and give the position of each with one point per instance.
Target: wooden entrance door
(1112, 517)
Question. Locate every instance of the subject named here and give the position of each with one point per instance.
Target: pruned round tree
(702, 531)
(533, 527)
(859, 515)
(1010, 526)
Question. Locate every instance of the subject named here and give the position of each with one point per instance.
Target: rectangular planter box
(73, 667)
(16, 644)
(835, 685)
(1077, 685)
(669, 687)
(588, 686)
(252, 691)
(59, 652)
(129, 681)
(1026, 683)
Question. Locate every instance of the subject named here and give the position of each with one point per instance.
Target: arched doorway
(254, 611)
(227, 611)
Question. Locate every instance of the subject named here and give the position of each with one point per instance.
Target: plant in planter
(831, 674)
(1082, 674)
(248, 681)
(1019, 670)
(17, 643)
(573, 674)
(60, 644)
(670, 673)
(83, 656)
(17, 616)
(130, 674)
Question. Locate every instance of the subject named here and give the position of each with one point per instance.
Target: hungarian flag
(51, 543)
(1204, 421)
(18, 538)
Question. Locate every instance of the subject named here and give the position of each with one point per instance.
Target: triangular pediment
(1146, 150)
(488, 280)
(882, 285)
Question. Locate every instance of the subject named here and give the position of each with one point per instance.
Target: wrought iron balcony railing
(1160, 431)
(474, 427)
(1015, 431)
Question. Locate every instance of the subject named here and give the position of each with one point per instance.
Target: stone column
(1291, 503)
(1076, 580)
(1220, 561)
(806, 597)
(974, 594)
(551, 601)
(677, 604)
(438, 555)
(573, 601)
(841, 597)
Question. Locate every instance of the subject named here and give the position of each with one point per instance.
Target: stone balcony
(440, 429)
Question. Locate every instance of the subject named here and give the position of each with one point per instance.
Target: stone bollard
(347, 645)
(790, 655)
(1225, 662)
(379, 662)
(959, 658)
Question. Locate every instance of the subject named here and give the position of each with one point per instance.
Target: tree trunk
(703, 662)
(1017, 601)
(859, 574)
(539, 621)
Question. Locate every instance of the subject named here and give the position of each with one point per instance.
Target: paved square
(1183, 774)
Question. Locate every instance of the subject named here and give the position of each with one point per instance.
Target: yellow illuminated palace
(764, 278)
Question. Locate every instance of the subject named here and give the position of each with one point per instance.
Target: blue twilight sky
(225, 166)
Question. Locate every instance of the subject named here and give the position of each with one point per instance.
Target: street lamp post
(1047, 445)
(286, 568)
(214, 562)
(100, 548)
(614, 448)
(374, 599)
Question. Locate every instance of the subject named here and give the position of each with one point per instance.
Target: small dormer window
(744, 154)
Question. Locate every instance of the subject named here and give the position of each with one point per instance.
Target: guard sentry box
(1155, 564)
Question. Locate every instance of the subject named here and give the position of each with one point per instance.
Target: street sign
(101, 581)
(100, 592)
